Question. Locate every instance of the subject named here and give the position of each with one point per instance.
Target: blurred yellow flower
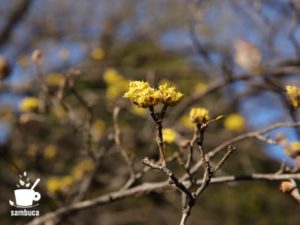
(116, 84)
(200, 87)
(293, 94)
(169, 94)
(53, 184)
(32, 150)
(59, 184)
(199, 115)
(293, 149)
(66, 181)
(81, 168)
(77, 173)
(50, 152)
(54, 79)
(234, 122)
(97, 129)
(185, 120)
(29, 104)
(97, 53)
(169, 135)
(138, 110)
(112, 76)
(86, 165)
(59, 111)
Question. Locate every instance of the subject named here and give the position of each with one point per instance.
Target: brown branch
(13, 19)
(242, 137)
(146, 188)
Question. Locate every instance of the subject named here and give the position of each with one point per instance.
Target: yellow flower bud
(97, 54)
(199, 115)
(169, 135)
(234, 122)
(29, 104)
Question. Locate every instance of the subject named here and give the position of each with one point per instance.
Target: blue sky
(229, 22)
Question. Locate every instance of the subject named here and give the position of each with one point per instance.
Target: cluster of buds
(293, 94)
(143, 95)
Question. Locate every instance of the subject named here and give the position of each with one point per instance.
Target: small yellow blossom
(32, 150)
(66, 181)
(200, 87)
(77, 174)
(293, 149)
(97, 53)
(29, 104)
(169, 135)
(81, 168)
(185, 120)
(138, 110)
(169, 94)
(59, 184)
(97, 129)
(53, 185)
(50, 152)
(234, 122)
(86, 165)
(116, 84)
(293, 94)
(141, 94)
(54, 79)
(59, 111)
(112, 76)
(199, 115)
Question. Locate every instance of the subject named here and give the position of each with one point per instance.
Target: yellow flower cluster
(64, 183)
(141, 94)
(54, 79)
(293, 93)
(97, 54)
(57, 184)
(81, 168)
(199, 115)
(293, 149)
(116, 84)
(29, 104)
(234, 122)
(50, 152)
(169, 135)
(97, 129)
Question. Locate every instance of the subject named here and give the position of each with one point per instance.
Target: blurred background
(56, 106)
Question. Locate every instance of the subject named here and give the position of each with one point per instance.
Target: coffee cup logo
(25, 196)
